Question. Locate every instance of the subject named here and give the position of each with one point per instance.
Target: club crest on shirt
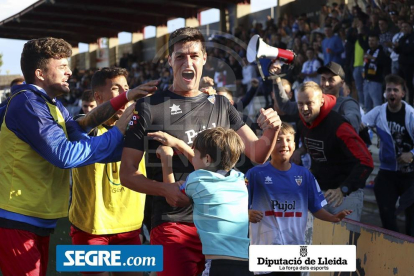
(268, 180)
(175, 109)
(211, 99)
(298, 180)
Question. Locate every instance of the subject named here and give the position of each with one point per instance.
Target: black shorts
(227, 268)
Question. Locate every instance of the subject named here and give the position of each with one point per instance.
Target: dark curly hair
(37, 52)
(184, 35)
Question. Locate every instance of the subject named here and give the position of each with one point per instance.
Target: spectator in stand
(310, 67)
(209, 70)
(166, 80)
(332, 46)
(325, 10)
(368, 10)
(351, 34)
(234, 74)
(385, 36)
(342, 35)
(355, 12)
(123, 62)
(335, 25)
(276, 41)
(305, 47)
(394, 122)
(16, 81)
(405, 48)
(297, 45)
(373, 23)
(88, 102)
(394, 56)
(360, 47)
(318, 51)
(377, 65)
(332, 81)
(283, 86)
(249, 73)
(394, 25)
(282, 32)
(341, 162)
(411, 20)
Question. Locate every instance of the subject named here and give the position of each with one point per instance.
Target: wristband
(119, 101)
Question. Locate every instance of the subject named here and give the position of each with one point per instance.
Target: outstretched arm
(165, 154)
(168, 140)
(282, 99)
(133, 179)
(322, 214)
(106, 110)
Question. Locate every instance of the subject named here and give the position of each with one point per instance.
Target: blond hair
(310, 85)
(286, 128)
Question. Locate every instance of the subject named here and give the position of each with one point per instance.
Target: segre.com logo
(109, 258)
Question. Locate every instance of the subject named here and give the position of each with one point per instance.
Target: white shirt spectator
(249, 73)
(310, 67)
(396, 37)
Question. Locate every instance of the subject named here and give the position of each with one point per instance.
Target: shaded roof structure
(87, 20)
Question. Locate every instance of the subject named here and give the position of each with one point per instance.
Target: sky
(12, 48)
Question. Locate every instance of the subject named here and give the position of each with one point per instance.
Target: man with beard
(39, 142)
(332, 81)
(340, 160)
(394, 121)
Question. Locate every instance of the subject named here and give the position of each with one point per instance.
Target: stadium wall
(379, 251)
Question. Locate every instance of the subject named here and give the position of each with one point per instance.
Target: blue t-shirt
(220, 212)
(284, 197)
(335, 44)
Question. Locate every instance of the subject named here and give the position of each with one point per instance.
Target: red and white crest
(298, 180)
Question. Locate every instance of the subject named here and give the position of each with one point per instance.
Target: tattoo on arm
(97, 116)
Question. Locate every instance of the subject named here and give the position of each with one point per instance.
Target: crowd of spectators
(347, 36)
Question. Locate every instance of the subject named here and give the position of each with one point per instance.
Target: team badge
(212, 99)
(268, 180)
(298, 180)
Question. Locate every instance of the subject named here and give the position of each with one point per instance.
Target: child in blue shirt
(219, 194)
(280, 195)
